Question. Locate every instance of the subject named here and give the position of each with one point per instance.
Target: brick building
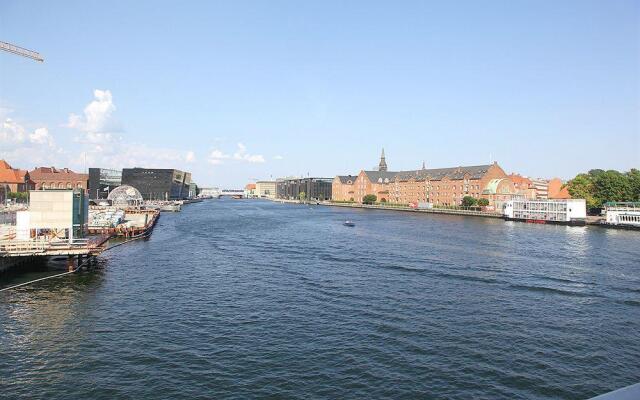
(343, 188)
(54, 178)
(13, 181)
(440, 186)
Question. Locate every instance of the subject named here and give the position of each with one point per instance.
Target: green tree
(483, 202)
(18, 195)
(369, 199)
(612, 186)
(468, 201)
(634, 183)
(302, 196)
(582, 187)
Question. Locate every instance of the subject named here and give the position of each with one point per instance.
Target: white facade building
(564, 211)
(60, 213)
(266, 189)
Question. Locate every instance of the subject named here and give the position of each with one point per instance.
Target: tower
(383, 164)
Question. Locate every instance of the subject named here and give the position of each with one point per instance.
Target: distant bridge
(237, 193)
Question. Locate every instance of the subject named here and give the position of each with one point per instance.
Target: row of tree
(599, 186)
(468, 201)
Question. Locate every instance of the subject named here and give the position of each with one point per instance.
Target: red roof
(10, 175)
(65, 174)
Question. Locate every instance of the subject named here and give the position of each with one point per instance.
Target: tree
(468, 201)
(582, 187)
(369, 199)
(634, 183)
(18, 195)
(612, 186)
(302, 196)
(483, 202)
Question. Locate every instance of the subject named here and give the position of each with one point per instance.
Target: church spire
(383, 163)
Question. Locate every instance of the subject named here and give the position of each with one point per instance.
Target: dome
(125, 195)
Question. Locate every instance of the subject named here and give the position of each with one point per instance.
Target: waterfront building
(58, 178)
(193, 190)
(13, 181)
(102, 181)
(56, 213)
(158, 184)
(565, 211)
(250, 190)
(343, 188)
(318, 189)
(266, 189)
(622, 213)
(439, 186)
(523, 186)
(541, 187)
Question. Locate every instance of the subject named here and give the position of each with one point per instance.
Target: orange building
(13, 180)
(556, 189)
(523, 186)
(54, 178)
(441, 186)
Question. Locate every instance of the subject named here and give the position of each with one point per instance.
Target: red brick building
(13, 180)
(343, 188)
(440, 186)
(54, 178)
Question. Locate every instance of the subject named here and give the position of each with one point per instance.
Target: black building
(102, 181)
(313, 188)
(158, 184)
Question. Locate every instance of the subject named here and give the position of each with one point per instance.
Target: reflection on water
(257, 299)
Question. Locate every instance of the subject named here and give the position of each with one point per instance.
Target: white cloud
(25, 148)
(278, 157)
(190, 157)
(11, 133)
(97, 124)
(14, 134)
(42, 136)
(216, 157)
(242, 155)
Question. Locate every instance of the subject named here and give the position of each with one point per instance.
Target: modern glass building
(102, 181)
(313, 188)
(158, 184)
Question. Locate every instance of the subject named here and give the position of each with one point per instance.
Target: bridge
(235, 193)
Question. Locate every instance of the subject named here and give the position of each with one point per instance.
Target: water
(253, 299)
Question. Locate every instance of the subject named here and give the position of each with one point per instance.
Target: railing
(40, 245)
(24, 246)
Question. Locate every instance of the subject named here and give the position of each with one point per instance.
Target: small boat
(349, 223)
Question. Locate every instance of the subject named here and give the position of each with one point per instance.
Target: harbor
(224, 275)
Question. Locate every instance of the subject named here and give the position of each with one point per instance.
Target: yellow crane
(34, 55)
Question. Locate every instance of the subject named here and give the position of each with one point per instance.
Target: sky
(242, 90)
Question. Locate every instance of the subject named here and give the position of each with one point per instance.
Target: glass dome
(125, 195)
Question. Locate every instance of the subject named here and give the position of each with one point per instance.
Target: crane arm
(21, 51)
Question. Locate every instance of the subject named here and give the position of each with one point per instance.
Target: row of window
(61, 185)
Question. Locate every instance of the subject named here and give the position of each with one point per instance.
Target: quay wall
(419, 210)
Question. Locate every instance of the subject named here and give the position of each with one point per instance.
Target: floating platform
(137, 223)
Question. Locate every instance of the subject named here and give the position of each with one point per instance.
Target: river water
(254, 299)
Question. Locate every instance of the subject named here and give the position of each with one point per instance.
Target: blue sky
(239, 90)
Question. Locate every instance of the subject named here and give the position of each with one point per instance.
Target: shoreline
(467, 213)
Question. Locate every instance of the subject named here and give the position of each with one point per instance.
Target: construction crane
(34, 55)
